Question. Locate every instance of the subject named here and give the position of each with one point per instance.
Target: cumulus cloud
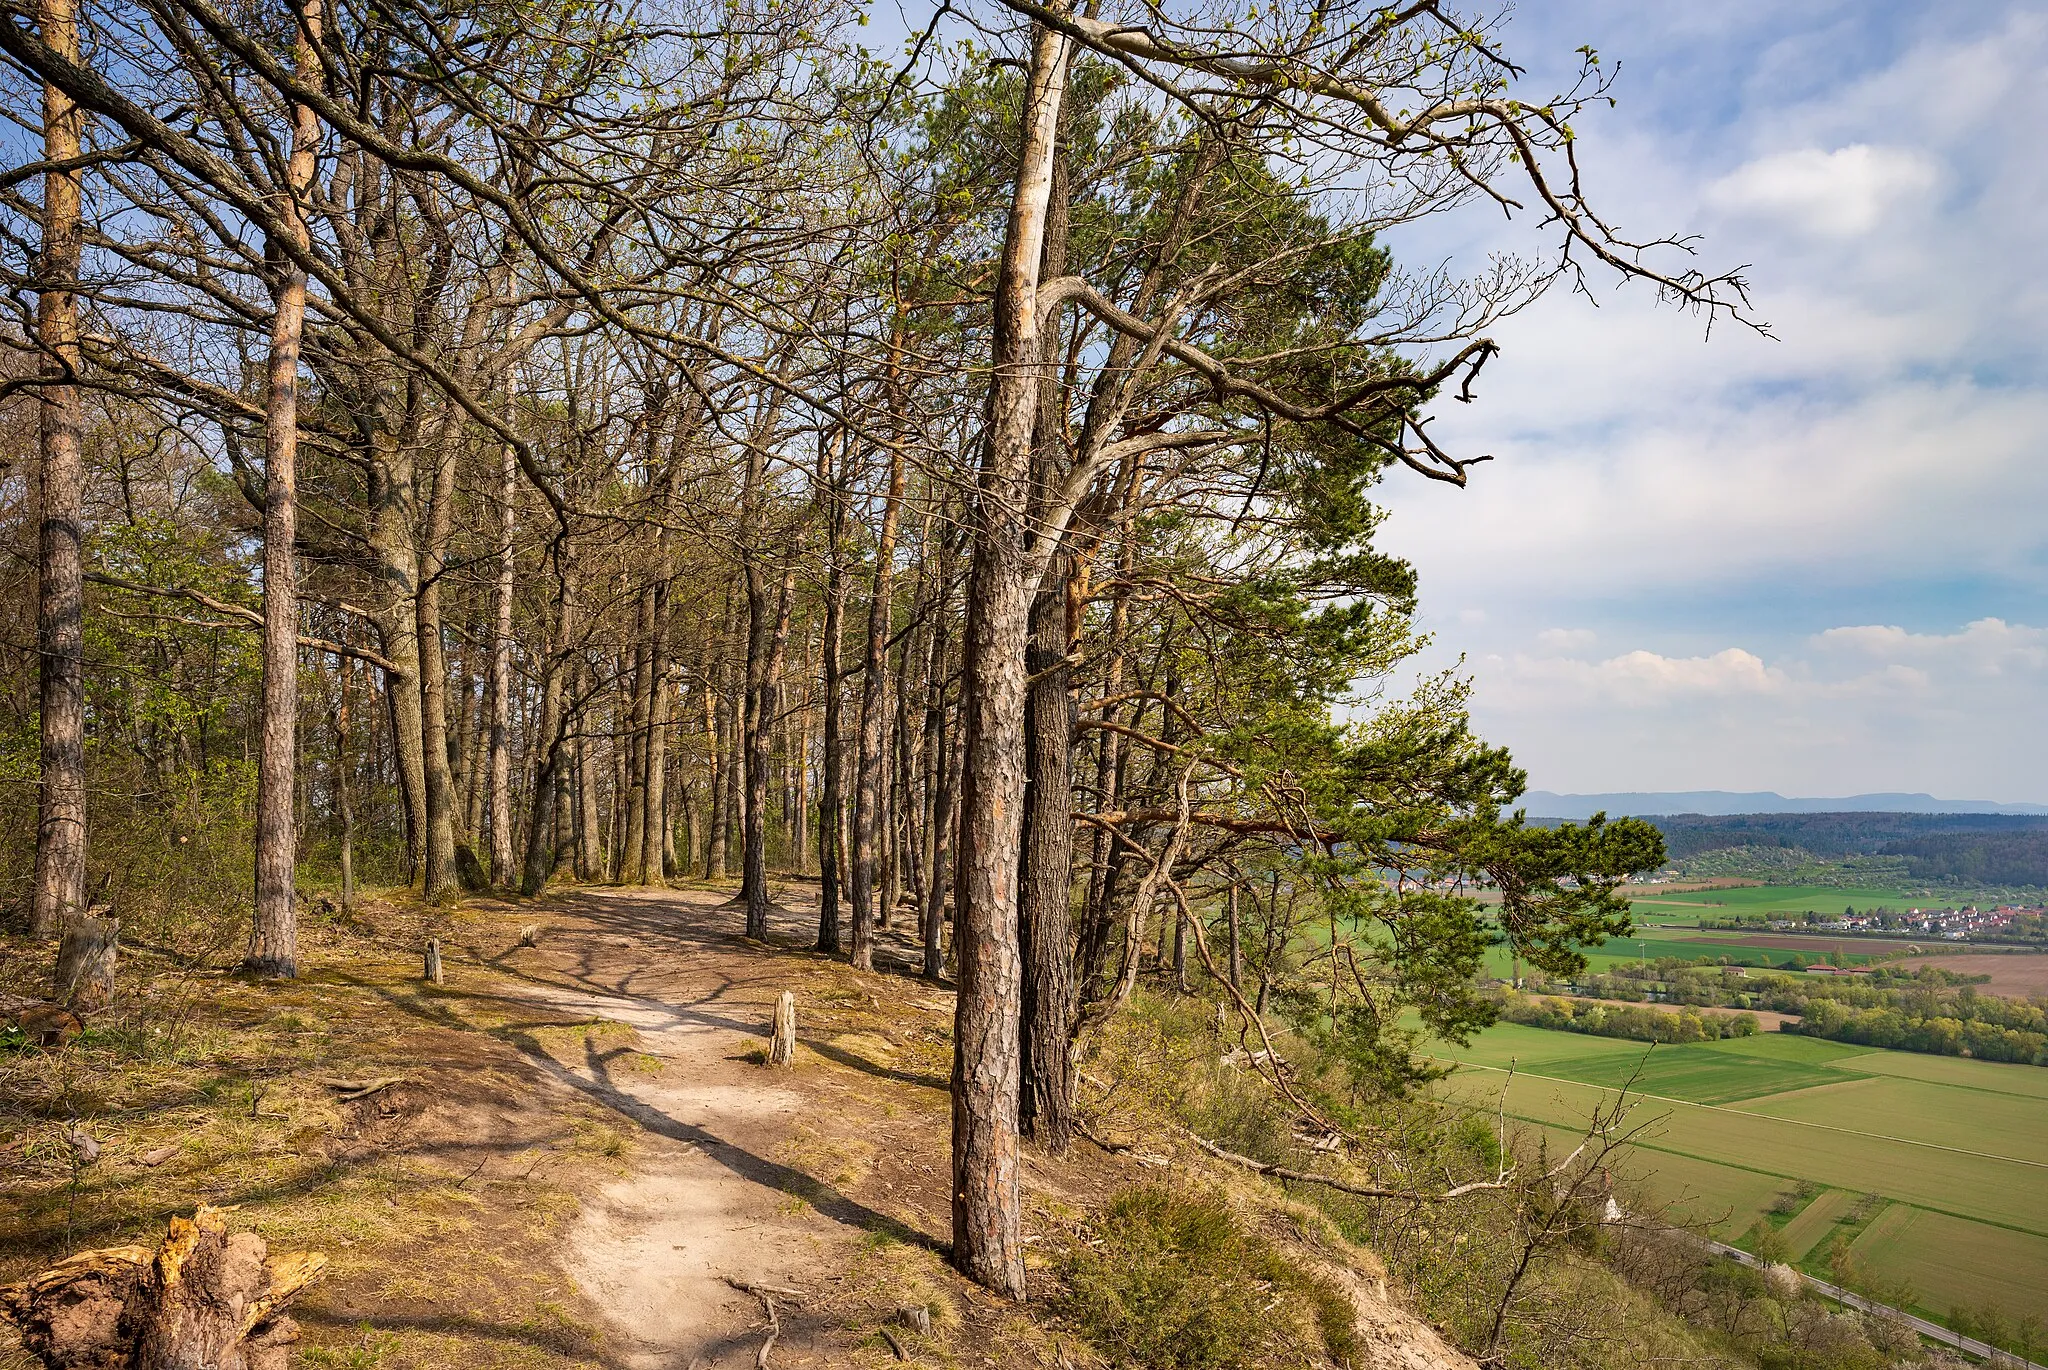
(1856, 707)
(1990, 646)
(1840, 194)
(1766, 547)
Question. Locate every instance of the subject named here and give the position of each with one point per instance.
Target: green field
(1689, 944)
(1956, 1150)
(1766, 901)
(1667, 925)
(1814, 1223)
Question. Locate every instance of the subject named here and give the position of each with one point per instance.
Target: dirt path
(830, 1179)
(708, 1197)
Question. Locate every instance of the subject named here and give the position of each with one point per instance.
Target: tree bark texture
(442, 873)
(274, 934)
(766, 702)
(1045, 893)
(831, 799)
(987, 1218)
(498, 816)
(1045, 908)
(60, 570)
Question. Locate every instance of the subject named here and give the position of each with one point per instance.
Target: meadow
(1933, 1171)
(1771, 901)
(1649, 942)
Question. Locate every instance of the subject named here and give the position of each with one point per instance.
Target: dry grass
(203, 1087)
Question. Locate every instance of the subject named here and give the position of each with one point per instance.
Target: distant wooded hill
(1970, 848)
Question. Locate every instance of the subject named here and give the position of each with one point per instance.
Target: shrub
(1175, 1281)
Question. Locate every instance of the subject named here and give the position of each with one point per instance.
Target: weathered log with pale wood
(782, 1046)
(205, 1299)
(85, 962)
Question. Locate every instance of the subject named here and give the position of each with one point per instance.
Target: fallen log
(203, 1297)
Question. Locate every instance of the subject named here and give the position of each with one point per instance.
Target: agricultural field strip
(1773, 1118)
(2004, 1122)
(1815, 1221)
(1552, 1125)
(1900, 1065)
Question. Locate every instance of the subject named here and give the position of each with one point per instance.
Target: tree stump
(432, 974)
(203, 1300)
(529, 936)
(782, 1046)
(85, 962)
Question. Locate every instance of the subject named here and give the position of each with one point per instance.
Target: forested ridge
(489, 449)
(1971, 849)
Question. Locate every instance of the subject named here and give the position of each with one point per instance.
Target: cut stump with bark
(432, 972)
(205, 1299)
(85, 962)
(782, 1046)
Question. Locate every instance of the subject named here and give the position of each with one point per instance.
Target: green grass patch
(1996, 1192)
(1176, 1280)
(1994, 1077)
(1816, 1222)
(1791, 1046)
(1951, 1263)
(1940, 1115)
(1767, 901)
(1695, 1074)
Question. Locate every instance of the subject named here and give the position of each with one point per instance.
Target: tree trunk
(343, 795)
(654, 842)
(498, 819)
(443, 873)
(589, 808)
(831, 801)
(274, 934)
(716, 854)
(60, 569)
(393, 492)
(631, 866)
(551, 755)
(1045, 911)
(760, 731)
(868, 781)
(945, 812)
(988, 1243)
(1045, 894)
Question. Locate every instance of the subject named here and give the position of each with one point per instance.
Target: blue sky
(1819, 564)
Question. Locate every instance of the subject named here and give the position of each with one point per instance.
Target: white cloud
(1567, 639)
(1840, 194)
(1857, 708)
(1990, 646)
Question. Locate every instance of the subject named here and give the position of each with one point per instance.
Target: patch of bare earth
(2011, 972)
